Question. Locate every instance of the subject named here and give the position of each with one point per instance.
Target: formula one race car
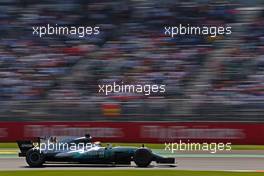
(83, 151)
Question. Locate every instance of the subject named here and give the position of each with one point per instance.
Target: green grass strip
(127, 173)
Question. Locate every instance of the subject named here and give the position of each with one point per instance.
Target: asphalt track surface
(247, 161)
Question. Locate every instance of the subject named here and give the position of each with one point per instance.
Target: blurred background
(56, 78)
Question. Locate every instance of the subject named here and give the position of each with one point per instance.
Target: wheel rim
(142, 158)
(34, 157)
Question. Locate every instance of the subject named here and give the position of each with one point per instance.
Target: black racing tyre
(143, 157)
(35, 158)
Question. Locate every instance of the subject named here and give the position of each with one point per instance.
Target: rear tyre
(34, 158)
(143, 157)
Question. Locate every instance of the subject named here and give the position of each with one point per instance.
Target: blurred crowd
(60, 74)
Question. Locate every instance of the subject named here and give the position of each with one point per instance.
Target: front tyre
(143, 157)
(34, 158)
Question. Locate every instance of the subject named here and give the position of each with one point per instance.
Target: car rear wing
(26, 145)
